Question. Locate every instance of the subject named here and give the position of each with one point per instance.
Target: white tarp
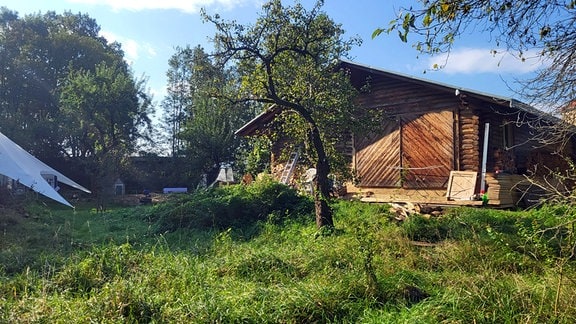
(22, 166)
(225, 175)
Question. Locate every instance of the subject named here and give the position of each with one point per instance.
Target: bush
(237, 206)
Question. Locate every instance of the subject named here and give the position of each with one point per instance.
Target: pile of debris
(401, 211)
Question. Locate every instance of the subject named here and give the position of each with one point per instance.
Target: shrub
(237, 206)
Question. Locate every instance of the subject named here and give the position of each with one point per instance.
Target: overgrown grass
(253, 254)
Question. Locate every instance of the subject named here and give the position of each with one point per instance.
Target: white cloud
(131, 47)
(483, 60)
(149, 49)
(189, 6)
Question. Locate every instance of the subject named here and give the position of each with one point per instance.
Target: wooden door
(427, 149)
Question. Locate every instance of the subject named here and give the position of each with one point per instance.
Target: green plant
(367, 270)
(238, 206)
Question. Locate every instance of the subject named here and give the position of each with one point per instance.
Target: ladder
(289, 167)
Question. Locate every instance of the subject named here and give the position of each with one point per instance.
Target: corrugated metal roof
(445, 86)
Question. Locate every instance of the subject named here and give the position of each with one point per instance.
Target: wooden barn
(438, 144)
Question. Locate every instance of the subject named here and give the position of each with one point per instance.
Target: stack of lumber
(401, 212)
(502, 189)
(470, 151)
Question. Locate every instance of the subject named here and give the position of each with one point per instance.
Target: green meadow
(252, 254)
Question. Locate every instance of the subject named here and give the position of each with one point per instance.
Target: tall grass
(252, 254)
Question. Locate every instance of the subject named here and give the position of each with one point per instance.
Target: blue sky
(149, 31)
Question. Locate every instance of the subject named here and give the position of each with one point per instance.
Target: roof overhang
(360, 72)
(257, 123)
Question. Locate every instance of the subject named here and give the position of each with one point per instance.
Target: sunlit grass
(128, 265)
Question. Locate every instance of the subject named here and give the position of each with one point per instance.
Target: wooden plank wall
(422, 154)
(377, 156)
(427, 149)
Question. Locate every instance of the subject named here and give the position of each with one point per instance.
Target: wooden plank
(442, 202)
(461, 185)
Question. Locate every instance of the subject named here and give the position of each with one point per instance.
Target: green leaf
(408, 19)
(377, 32)
(427, 20)
(403, 36)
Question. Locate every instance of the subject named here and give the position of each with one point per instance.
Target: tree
(177, 98)
(37, 53)
(289, 58)
(529, 29)
(201, 121)
(209, 136)
(66, 93)
(102, 112)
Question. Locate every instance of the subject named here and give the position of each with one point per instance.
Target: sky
(150, 30)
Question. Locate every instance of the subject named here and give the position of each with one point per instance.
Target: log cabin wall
(415, 145)
(469, 138)
(509, 141)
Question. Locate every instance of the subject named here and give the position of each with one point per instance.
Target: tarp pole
(484, 159)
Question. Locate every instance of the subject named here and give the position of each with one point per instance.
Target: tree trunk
(321, 182)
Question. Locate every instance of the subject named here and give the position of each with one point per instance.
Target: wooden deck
(399, 195)
(501, 194)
